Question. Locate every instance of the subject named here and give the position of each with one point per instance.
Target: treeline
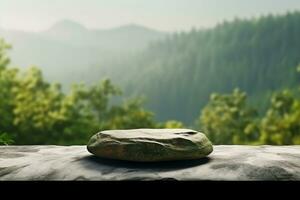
(33, 111)
(177, 75)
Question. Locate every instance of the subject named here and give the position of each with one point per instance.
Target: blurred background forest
(238, 81)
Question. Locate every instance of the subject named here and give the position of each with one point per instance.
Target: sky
(165, 15)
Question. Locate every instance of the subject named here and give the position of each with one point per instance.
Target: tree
(227, 119)
(36, 107)
(43, 114)
(281, 124)
(7, 83)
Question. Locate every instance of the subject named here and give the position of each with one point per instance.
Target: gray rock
(75, 163)
(150, 145)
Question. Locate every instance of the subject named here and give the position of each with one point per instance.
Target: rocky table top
(76, 163)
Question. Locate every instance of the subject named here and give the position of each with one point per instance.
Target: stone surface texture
(150, 145)
(76, 163)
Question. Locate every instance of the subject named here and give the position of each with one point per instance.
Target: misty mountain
(69, 52)
(126, 38)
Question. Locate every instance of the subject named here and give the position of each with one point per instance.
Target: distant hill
(69, 52)
(130, 37)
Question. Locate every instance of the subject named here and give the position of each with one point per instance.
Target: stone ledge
(76, 163)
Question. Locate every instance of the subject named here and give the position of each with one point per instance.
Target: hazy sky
(169, 15)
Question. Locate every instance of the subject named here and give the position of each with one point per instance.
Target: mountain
(178, 74)
(69, 52)
(126, 38)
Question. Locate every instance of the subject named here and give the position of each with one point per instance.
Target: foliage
(45, 115)
(5, 139)
(281, 124)
(6, 84)
(227, 119)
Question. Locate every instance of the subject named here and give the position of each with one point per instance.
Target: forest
(238, 83)
(178, 74)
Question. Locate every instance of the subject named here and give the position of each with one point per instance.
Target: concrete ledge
(75, 163)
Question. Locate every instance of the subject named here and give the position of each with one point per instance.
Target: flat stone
(150, 145)
(229, 163)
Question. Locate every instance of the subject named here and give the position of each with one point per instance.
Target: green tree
(7, 83)
(35, 107)
(227, 119)
(281, 124)
(43, 114)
